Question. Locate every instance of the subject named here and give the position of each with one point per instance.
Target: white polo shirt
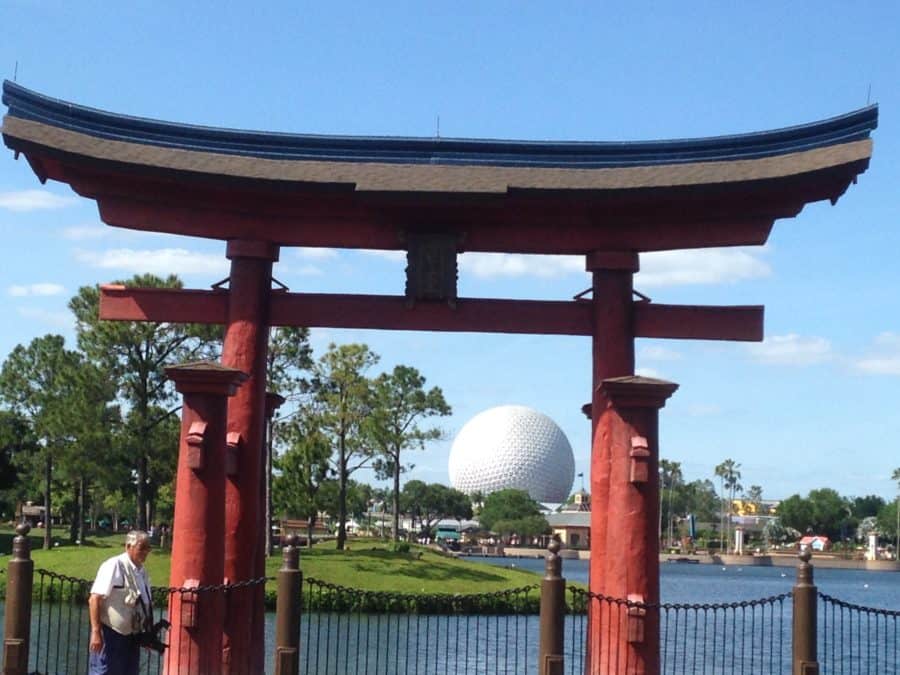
(112, 584)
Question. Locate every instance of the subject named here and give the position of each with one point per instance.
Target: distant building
(572, 527)
(815, 542)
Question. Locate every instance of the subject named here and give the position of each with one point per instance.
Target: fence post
(553, 614)
(19, 581)
(805, 620)
(287, 616)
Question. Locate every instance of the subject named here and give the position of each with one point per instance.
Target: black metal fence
(856, 640)
(327, 629)
(345, 630)
(60, 625)
(739, 637)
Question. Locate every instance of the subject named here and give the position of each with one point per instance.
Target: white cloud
(43, 289)
(700, 266)
(394, 256)
(34, 200)
(491, 265)
(792, 350)
(85, 232)
(315, 253)
(658, 269)
(63, 320)
(884, 359)
(648, 372)
(658, 353)
(162, 261)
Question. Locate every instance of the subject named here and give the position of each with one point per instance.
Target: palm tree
(669, 476)
(896, 476)
(728, 472)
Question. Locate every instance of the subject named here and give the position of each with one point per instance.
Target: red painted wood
(118, 303)
(613, 356)
(552, 234)
(198, 544)
(470, 314)
(245, 349)
(743, 323)
(630, 420)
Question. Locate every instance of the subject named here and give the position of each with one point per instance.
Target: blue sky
(815, 405)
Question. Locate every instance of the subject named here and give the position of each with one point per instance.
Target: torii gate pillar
(246, 337)
(195, 639)
(626, 638)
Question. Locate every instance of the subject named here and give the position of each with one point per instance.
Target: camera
(151, 638)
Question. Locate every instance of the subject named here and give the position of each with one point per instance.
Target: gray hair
(136, 538)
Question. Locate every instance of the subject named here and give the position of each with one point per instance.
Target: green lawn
(367, 565)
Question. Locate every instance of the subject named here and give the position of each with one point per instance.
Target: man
(120, 609)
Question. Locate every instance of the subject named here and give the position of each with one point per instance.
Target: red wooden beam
(162, 305)
(691, 322)
(469, 315)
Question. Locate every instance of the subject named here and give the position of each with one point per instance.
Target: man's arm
(94, 603)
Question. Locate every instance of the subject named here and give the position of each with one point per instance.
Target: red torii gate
(436, 198)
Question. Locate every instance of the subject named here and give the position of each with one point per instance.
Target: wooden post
(198, 547)
(553, 614)
(19, 581)
(805, 620)
(244, 348)
(287, 617)
(629, 642)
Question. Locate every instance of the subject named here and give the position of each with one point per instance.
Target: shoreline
(822, 561)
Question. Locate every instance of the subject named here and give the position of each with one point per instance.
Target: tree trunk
(269, 542)
(342, 500)
(48, 502)
(142, 493)
(310, 524)
(82, 506)
(73, 526)
(395, 498)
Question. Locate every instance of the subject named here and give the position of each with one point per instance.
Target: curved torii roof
(509, 196)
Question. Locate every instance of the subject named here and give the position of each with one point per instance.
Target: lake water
(715, 584)
(478, 644)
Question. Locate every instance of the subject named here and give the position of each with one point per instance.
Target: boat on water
(684, 560)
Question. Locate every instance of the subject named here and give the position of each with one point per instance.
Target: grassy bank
(367, 565)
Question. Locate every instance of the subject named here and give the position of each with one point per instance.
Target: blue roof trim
(26, 104)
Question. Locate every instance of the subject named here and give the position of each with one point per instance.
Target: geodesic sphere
(512, 446)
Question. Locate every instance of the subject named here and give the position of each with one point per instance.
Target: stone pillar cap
(205, 377)
(635, 391)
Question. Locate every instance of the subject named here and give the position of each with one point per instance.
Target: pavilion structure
(436, 198)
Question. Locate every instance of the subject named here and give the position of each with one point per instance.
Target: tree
(699, 498)
(864, 507)
(509, 504)
(754, 498)
(343, 397)
(669, 477)
(530, 526)
(823, 512)
(135, 353)
(399, 402)
(288, 358)
(729, 473)
(64, 400)
(17, 444)
(303, 470)
(429, 503)
(895, 476)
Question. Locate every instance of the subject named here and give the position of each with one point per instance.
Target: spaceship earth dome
(512, 446)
